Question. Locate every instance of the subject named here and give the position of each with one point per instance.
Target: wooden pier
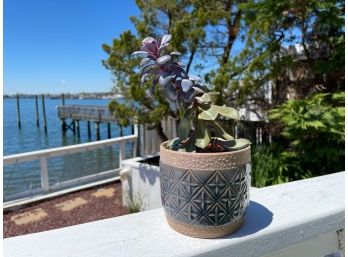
(89, 113)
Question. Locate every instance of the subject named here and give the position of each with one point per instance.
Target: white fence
(43, 155)
(297, 219)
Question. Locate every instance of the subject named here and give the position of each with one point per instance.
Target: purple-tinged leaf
(165, 80)
(186, 85)
(139, 52)
(162, 47)
(199, 90)
(170, 93)
(151, 68)
(163, 59)
(189, 96)
(175, 53)
(150, 49)
(149, 40)
(165, 39)
(145, 61)
(143, 78)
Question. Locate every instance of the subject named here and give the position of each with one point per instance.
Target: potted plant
(205, 172)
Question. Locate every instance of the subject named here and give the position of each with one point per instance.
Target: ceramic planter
(205, 195)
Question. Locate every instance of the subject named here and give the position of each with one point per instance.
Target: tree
(238, 47)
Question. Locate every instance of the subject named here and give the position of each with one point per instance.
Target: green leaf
(185, 125)
(202, 134)
(240, 143)
(174, 144)
(227, 112)
(207, 97)
(225, 143)
(209, 114)
(190, 144)
(106, 48)
(220, 131)
(316, 124)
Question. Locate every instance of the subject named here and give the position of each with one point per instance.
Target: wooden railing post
(44, 175)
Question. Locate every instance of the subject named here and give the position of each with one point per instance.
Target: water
(26, 176)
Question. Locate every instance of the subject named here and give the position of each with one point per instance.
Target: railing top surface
(278, 217)
(57, 151)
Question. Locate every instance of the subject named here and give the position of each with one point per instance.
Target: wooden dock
(89, 113)
(86, 112)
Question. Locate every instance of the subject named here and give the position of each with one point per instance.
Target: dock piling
(44, 113)
(37, 112)
(89, 129)
(78, 128)
(121, 130)
(63, 125)
(73, 123)
(109, 130)
(18, 113)
(97, 130)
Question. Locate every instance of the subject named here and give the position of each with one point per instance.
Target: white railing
(297, 219)
(44, 155)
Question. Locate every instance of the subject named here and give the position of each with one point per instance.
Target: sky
(54, 46)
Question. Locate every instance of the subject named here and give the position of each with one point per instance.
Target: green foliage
(238, 47)
(135, 204)
(314, 128)
(267, 166)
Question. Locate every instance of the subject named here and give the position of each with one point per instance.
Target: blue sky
(54, 46)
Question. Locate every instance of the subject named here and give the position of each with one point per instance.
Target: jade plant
(199, 129)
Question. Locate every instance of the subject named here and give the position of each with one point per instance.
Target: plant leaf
(175, 53)
(163, 59)
(145, 61)
(186, 85)
(202, 134)
(190, 145)
(174, 144)
(220, 131)
(164, 81)
(148, 40)
(225, 143)
(209, 114)
(165, 39)
(199, 90)
(140, 52)
(241, 143)
(227, 112)
(185, 125)
(205, 98)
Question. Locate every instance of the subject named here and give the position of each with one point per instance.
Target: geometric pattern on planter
(205, 198)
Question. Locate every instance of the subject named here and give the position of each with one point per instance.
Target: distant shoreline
(67, 96)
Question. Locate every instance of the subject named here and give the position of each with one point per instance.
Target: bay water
(26, 176)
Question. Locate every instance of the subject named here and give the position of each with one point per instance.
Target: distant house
(288, 85)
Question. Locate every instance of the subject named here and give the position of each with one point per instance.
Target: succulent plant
(188, 96)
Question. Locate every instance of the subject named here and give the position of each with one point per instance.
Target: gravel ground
(95, 208)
